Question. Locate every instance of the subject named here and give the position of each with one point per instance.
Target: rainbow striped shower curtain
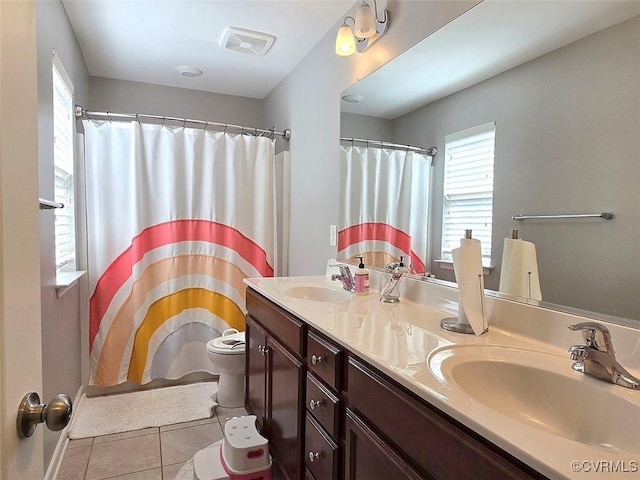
(384, 206)
(176, 219)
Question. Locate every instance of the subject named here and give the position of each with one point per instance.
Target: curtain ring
(256, 134)
(206, 124)
(225, 127)
(109, 117)
(242, 131)
(163, 120)
(184, 122)
(138, 118)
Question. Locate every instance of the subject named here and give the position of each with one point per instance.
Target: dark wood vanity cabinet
(330, 415)
(275, 383)
(414, 437)
(324, 408)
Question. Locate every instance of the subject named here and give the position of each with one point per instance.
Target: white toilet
(227, 353)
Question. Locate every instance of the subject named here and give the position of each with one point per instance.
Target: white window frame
(467, 201)
(64, 168)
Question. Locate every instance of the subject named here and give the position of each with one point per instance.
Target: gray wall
(567, 141)
(308, 102)
(108, 94)
(61, 317)
(365, 127)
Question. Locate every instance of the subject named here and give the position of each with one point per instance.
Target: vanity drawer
(281, 324)
(324, 360)
(323, 405)
(432, 442)
(321, 453)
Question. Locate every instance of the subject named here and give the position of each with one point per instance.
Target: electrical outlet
(333, 235)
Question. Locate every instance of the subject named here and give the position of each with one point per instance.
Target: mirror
(561, 82)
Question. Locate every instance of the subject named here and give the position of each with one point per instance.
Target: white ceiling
(492, 37)
(145, 40)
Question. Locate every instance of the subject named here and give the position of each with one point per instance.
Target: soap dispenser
(362, 279)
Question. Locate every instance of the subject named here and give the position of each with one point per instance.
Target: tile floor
(149, 454)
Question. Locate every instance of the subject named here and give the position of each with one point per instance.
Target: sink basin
(317, 293)
(542, 391)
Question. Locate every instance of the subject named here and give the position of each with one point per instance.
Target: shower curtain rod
(80, 112)
(432, 151)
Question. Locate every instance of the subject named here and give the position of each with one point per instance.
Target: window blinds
(63, 170)
(468, 188)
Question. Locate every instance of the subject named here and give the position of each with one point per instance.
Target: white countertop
(399, 339)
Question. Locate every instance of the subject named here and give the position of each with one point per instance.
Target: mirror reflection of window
(468, 188)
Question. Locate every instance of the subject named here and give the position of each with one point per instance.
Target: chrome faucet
(345, 277)
(391, 291)
(597, 359)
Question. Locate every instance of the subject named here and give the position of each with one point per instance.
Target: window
(468, 188)
(65, 232)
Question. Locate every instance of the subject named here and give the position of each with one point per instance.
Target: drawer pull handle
(262, 350)
(316, 359)
(313, 404)
(313, 456)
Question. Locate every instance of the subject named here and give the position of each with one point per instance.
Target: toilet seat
(231, 344)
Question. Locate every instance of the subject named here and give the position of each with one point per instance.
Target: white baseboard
(61, 446)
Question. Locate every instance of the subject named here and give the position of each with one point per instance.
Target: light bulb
(345, 43)
(365, 21)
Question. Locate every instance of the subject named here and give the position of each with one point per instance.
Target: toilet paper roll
(519, 272)
(467, 264)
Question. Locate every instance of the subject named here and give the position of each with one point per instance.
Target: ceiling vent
(247, 41)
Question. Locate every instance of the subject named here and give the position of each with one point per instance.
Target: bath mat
(125, 412)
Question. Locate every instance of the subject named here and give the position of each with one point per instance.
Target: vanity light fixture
(367, 30)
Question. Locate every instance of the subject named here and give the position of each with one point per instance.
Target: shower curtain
(176, 219)
(384, 206)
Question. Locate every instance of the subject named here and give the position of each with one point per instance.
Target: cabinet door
(256, 371)
(367, 457)
(286, 392)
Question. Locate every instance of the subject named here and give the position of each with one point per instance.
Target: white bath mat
(124, 412)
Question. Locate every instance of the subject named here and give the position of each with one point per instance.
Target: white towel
(467, 264)
(519, 271)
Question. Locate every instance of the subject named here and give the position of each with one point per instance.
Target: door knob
(56, 414)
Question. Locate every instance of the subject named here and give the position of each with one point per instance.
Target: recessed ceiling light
(187, 71)
(352, 98)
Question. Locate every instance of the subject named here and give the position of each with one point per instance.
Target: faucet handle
(344, 269)
(589, 331)
(391, 267)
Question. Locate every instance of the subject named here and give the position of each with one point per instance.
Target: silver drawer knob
(316, 359)
(315, 403)
(313, 456)
(262, 350)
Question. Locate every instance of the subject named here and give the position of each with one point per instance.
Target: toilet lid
(227, 344)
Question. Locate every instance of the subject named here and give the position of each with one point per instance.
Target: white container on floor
(244, 450)
(207, 464)
(243, 454)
